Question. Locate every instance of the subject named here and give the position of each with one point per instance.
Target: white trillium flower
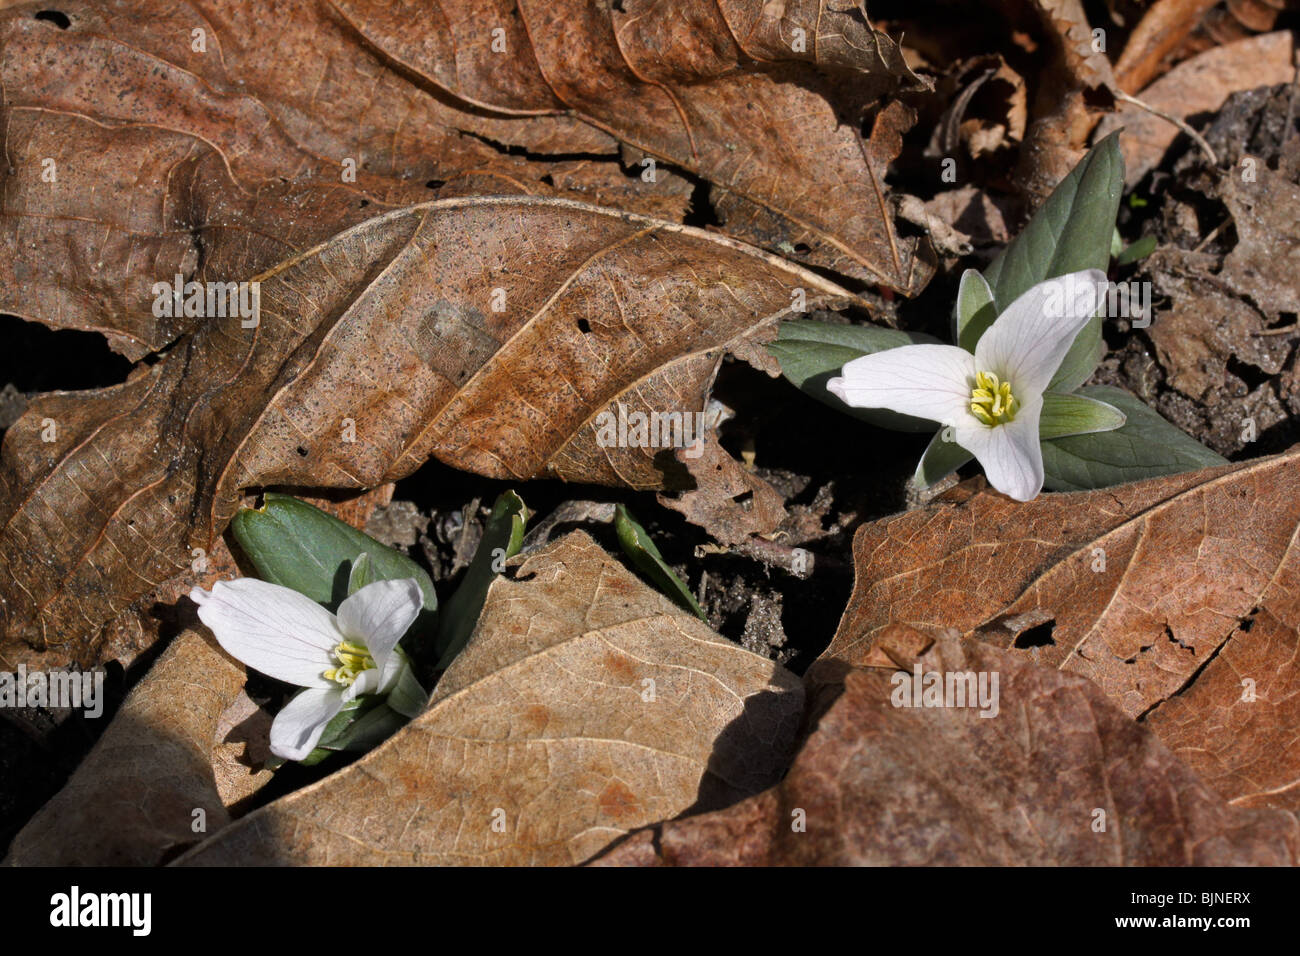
(288, 636)
(993, 399)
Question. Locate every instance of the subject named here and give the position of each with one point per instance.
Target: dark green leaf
(638, 546)
(811, 353)
(299, 546)
(1146, 446)
(1069, 233)
(502, 537)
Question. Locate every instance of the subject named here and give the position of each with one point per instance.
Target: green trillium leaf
(363, 573)
(1145, 446)
(503, 535)
(1070, 232)
(638, 546)
(974, 311)
(297, 545)
(361, 725)
(811, 353)
(1139, 250)
(407, 698)
(941, 458)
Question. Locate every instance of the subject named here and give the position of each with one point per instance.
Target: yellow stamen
(991, 401)
(353, 658)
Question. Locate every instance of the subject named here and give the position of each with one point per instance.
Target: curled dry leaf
(1067, 23)
(1059, 776)
(1160, 591)
(1057, 133)
(988, 108)
(486, 332)
(584, 706)
(133, 800)
(1160, 32)
(732, 502)
(146, 140)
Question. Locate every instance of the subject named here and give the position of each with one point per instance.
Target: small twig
(1210, 237)
(795, 561)
(1285, 330)
(1169, 118)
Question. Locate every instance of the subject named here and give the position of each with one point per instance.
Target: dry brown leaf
(1196, 86)
(971, 212)
(241, 746)
(1162, 29)
(1056, 136)
(133, 800)
(1154, 590)
(156, 613)
(676, 80)
(881, 785)
(584, 706)
(728, 499)
(125, 636)
(392, 326)
(1067, 24)
(1264, 265)
(606, 184)
(132, 156)
(215, 164)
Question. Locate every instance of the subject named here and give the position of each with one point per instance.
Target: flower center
(353, 658)
(991, 401)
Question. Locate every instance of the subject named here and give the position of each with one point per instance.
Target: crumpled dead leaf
(1163, 28)
(677, 80)
(728, 499)
(1060, 117)
(387, 335)
(1155, 590)
(1265, 212)
(585, 705)
(1059, 776)
(136, 798)
(147, 140)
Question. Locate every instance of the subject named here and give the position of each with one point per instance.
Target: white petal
(380, 613)
(1010, 454)
(272, 629)
(297, 729)
(367, 682)
(1027, 342)
(928, 381)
